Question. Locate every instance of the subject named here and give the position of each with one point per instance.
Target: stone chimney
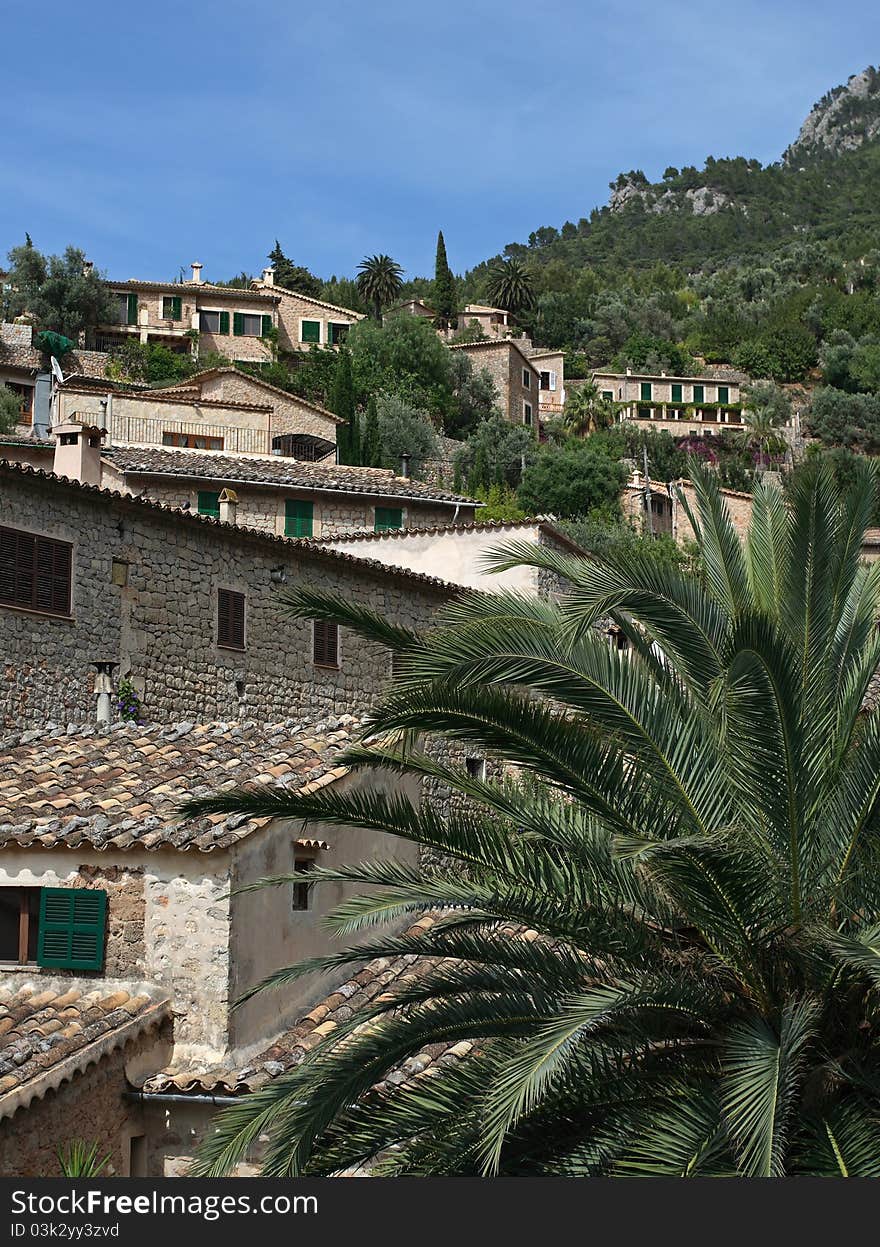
(197, 273)
(78, 451)
(404, 466)
(104, 690)
(228, 506)
(268, 277)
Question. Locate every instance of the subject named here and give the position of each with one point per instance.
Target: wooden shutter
(298, 518)
(388, 518)
(311, 331)
(176, 307)
(267, 325)
(325, 646)
(224, 324)
(132, 309)
(699, 393)
(552, 380)
(237, 324)
(72, 926)
(230, 619)
(676, 393)
(35, 572)
(723, 394)
(646, 391)
(209, 502)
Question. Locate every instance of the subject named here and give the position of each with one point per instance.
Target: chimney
(268, 277)
(228, 506)
(88, 265)
(197, 273)
(404, 466)
(78, 451)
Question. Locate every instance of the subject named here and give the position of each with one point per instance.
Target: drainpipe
(162, 1097)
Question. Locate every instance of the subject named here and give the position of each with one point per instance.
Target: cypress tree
(371, 449)
(444, 287)
(341, 403)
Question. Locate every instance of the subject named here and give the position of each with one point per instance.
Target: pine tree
(371, 447)
(341, 403)
(444, 287)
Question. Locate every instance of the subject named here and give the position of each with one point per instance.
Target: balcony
(693, 413)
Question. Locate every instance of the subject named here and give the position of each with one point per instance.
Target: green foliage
(445, 296)
(152, 362)
(79, 1159)
(573, 479)
(128, 703)
(493, 455)
(404, 430)
(371, 448)
(474, 396)
(403, 357)
(510, 286)
(645, 352)
(500, 504)
(10, 409)
(293, 276)
(58, 291)
(841, 419)
(379, 281)
(657, 920)
(342, 403)
(613, 540)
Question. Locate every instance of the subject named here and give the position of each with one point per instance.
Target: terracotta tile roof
(291, 1048)
(121, 787)
(239, 532)
(481, 526)
(193, 384)
(51, 1029)
(274, 470)
(307, 298)
(193, 287)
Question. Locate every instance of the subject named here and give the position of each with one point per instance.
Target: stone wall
(90, 1107)
(506, 365)
(293, 309)
(145, 584)
(739, 507)
(290, 414)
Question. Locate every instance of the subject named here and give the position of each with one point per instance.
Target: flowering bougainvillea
(127, 701)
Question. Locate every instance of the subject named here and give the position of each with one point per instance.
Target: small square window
(310, 331)
(209, 322)
(475, 767)
(387, 519)
(209, 502)
(19, 924)
(336, 333)
(302, 890)
(172, 307)
(527, 379)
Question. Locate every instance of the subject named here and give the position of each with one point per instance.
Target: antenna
(56, 371)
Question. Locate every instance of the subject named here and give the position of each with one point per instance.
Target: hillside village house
(196, 316)
(551, 392)
(680, 405)
(516, 378)
(495, 322)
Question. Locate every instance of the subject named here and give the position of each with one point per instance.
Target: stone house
(551, 392)
(516, 378)
(218, 409)
(24, 369)
(192, 317)
(303, 321)
(494, 322)
(283, 497)
(683, 406)
(91, 819)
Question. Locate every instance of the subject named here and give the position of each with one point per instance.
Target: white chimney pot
(197, 273)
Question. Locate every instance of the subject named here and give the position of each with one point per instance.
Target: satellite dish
(56, 371)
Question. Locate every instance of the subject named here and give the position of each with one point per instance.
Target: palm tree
(767, 410)
(379, 281)
(660, 922)
(510, 286)
(586, 411)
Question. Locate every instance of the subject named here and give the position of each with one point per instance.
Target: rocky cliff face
(842, 120)
(700, 201)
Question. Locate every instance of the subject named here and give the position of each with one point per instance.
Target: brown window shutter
(325, 651)
(35, 572)
(230, 618)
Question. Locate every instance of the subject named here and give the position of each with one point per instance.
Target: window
(609, 394)
(646, 390)
(214, 322)
(72, 923)
(209, 502)
(250, 325)
(336, 333)
(548, 380)
(387, 519)
(127, 305)
(298, 518)
(302, 889)
(475, 767)
(527, 413)
(19, 923)
(26, 396)
(230, 619)
(676, 393)
(310, 331)
(699, 393)
(192, 441)
(172, 307)
(35, 572)
(527, 379)
(723, 394)
(325, 643)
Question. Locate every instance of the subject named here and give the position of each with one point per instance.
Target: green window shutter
(676, 393)
(72, 925)
(723, 394)
(209, 502)
(311, 331)
(237, 324)
(388, 518)
(298, 518)
(177, 307)
(646, 391)
(224, 324)
(699, 393)
(132, 309)
(267, 325)
(609, 394)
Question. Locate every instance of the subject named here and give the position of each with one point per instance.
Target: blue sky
(160, 133)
